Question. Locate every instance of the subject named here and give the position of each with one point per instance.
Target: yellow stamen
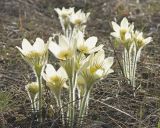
(122, 34)
(65, 54)
(83, 49)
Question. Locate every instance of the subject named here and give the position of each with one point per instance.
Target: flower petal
(58, 11)
(99, 73)
(124, 23)
(50, 71)
(63, 41)
(108, 62)
(80, 39)
(99, 56)
(22, 52)
(39, 45)
(44, 76)
(54, 48)
(62, 73)
(109, 71)
(65, 85)
(98, 48)
(115, 26)
(127, 36)
(91, 42)
(26, 46)
(147, 40)
(140, 36)
(115, 34)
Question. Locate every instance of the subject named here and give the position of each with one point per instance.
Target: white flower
(63, 50)
(100, 65)
(64, 12)
(140, 40)
(32, 89)
(122, 30)
(97, 68)
(87, 46)
(38, 47)
(79, 17)
(35, 54)
(55, 79)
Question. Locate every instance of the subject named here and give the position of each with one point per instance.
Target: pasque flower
(79, 18)
(36, 54)
(98, 67)
(87, 46)
(55, 79)
(32, 90)
(64, 13)
(63, 50)
(140, 41)
(123, 31)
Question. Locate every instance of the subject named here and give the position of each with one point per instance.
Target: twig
(114, 108)
(115, 53)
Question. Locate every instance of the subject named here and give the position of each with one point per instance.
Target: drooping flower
(63, 50)
(36, 55)
(87, 46)
(123, 31)
(55, 80)
(79, 18)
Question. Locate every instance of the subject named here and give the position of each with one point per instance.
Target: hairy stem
(40, 98)
(83, 106)
(59, 103)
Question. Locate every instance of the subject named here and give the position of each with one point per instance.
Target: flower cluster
(81, 61)
(70, 20)
(133, 42)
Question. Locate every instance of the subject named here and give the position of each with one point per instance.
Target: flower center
(33, 88)
(140, 42)
(83, 49)
(78, 21)
(94, 68)
(34, 54)
(65, 54)
(122, 34)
